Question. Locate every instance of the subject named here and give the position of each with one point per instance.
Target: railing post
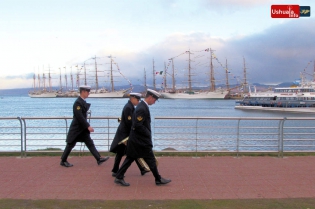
(281, 137)
(24, 136)
(238, 137)
(66, 127)
(108, 134)
(19, 118)
(196, 137)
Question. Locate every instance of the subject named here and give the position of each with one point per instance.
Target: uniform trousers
(150, 160)
(89, 144)
(121, 151)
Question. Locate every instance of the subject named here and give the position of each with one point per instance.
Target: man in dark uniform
(123, 132)
(80, 129)
(140, 141)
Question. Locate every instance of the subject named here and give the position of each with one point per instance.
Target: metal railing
(235, 134)
(171, 134)
(33, 134)
(11, 133)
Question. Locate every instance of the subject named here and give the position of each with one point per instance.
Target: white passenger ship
(287, 97)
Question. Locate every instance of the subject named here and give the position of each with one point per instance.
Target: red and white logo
(285, 11)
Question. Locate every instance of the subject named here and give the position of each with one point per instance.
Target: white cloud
(59, 34)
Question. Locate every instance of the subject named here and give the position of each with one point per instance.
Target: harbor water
(56, 107)
(23, 106)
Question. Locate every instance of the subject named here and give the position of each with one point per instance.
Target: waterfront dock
(211, 177)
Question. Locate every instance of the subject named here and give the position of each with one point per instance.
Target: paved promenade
(192, 178)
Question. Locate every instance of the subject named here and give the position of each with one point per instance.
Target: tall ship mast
(173, 76)
(102, 92)
(145, 81)
(71, 92)
(153, 70)
(190, 93)
(245, 84)
(212, 80)
(42, 92)
(189, 72)
(227, 75)
(164, 77)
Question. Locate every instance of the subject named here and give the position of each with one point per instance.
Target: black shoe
(163, 181)
(121, 182)
(102, 160)
(66, 164)
(144, 172)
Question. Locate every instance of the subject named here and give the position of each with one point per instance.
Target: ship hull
(115, 94)
(198, 95)
(43, 95)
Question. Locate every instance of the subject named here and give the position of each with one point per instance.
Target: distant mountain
(14, 92)
(24, 91)
(136, 88)
(284, 84)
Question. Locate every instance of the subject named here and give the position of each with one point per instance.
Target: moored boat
(102, 92)
(189, 93)
(42, 94)
(299, 95)
(217, 94)
(285, 97)
(70, 93)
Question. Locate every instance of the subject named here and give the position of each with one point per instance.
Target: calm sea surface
(55, 107)
(14, 106)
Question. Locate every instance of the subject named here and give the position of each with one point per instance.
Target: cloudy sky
(37, 35)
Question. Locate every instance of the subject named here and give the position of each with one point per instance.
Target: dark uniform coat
(78, 130)
(123, 129)
(140, 138)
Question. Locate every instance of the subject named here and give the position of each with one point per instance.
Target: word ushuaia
(290, 11)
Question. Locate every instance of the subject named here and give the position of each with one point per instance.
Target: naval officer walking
(123, 132)
(140, 141)
(80, 129)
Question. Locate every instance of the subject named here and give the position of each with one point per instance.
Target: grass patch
(306, 203)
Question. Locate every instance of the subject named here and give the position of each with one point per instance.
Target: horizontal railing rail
(171, 134)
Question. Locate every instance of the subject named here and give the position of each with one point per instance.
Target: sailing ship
(44, 92)
(212, 93)
(240, 89)
(102, 92)
(68, 92)
(96, 91)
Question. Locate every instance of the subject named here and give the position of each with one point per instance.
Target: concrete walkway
(192, 178)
